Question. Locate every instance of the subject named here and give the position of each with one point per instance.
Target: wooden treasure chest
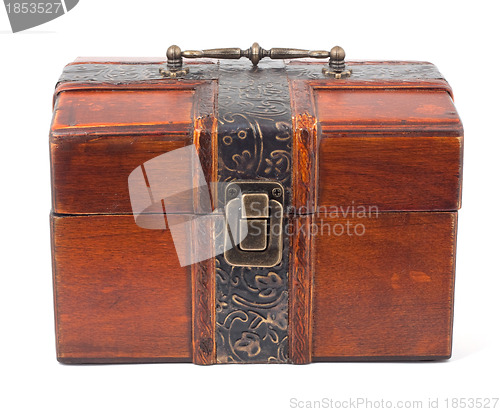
(211, 209)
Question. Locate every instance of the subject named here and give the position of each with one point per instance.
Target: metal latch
(254, 224)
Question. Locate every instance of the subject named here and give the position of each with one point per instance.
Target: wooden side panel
(385, 110)
(91, 177)
(120, 293)
(98, 137)
(390, 172)
(393, 149)
(385, 294)
(107, 111)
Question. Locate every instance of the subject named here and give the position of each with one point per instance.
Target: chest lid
(382, 134)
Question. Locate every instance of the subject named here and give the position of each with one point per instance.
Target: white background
(460, 37)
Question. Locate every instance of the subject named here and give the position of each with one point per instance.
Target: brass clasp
(254, 211)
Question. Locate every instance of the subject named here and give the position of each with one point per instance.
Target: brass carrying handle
(336, 64)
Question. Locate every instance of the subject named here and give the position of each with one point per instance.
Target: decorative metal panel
(254, 143)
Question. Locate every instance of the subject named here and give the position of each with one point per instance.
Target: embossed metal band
(129, 73)
(126, 73)
(254, 143)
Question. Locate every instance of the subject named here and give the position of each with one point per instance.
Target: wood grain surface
(386, 110)
(388, 293)
(396, 149)
(101, 133)
(120, 293)
(84, 112)
(405, 173)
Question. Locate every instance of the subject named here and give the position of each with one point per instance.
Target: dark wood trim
(203, 273)
(301, 290)
(305, 172)
(203, 307)
(304, 203)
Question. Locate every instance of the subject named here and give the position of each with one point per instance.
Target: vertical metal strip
(254, 143)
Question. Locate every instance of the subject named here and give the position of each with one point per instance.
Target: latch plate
(255, 211)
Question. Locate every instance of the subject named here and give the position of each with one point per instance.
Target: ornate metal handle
(336, 65)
